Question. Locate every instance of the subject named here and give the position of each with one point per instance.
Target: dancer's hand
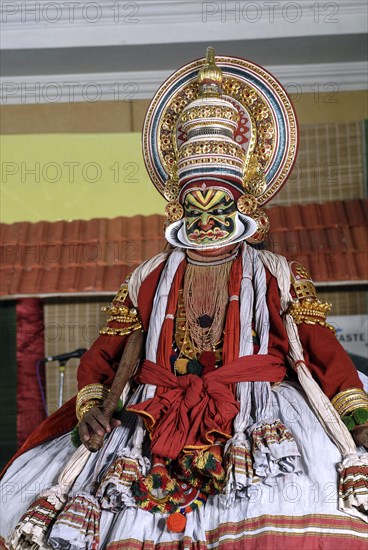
(95, 421)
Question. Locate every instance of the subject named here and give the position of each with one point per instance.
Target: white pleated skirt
(288, 512)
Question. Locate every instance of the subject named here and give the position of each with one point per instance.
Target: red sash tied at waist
(194, 409)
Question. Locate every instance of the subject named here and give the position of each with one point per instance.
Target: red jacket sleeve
(98, 365)
(327, 360)
(325, 357)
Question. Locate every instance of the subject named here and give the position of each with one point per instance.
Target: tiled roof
(329, 239)
(77, 256)
(96, 255)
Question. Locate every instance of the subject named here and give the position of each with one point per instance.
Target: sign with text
(352, 333)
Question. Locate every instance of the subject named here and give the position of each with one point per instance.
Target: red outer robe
(324, 355)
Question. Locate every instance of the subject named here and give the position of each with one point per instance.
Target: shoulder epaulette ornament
(306, 308)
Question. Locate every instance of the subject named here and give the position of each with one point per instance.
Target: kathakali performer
(244, 425)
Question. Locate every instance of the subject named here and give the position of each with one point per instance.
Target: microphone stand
(61, 370)
(62, 359)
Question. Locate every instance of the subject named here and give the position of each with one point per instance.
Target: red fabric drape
(30, 349)
(193, 410)
(230, 349)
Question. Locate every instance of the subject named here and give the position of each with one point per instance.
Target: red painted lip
(208, 234)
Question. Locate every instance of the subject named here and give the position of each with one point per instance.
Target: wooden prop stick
(126, 368)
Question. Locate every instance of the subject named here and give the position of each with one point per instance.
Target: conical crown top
(210, 76)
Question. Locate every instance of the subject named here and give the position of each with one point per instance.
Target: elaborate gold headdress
(221, 122)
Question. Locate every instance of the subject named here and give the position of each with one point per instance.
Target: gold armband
(118, 312)
(122, 314)
(112, 331)
(347, 401)
(306, 308)
(311, 312)
(88, 397)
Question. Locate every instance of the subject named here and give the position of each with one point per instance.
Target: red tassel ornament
(207, 359)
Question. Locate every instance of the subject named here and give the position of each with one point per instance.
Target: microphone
(65, 356)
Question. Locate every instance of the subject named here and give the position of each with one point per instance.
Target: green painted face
(209, 216)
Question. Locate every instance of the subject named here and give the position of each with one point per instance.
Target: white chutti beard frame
(245, 226)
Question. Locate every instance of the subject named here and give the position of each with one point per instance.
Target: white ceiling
(109, 41)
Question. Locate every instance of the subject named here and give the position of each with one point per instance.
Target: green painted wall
(74, 176)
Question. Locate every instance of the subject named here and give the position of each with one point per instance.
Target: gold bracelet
(93, 393)
(347, 401)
